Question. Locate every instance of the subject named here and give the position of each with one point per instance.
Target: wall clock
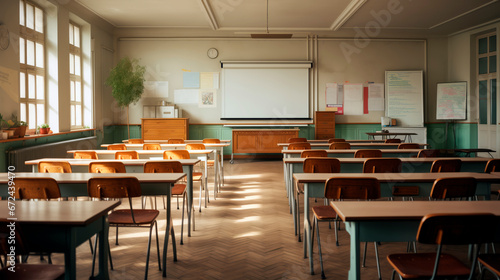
(212, 53)
(4, 37)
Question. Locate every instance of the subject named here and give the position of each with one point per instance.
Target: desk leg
(307, 229)
(291, 193)
(222, 165)
(354, 271)
(167, 233)
(217, 174)
(189, 197)
(70, 255)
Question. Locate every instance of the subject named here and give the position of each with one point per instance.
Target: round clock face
(213, 53)
(4, 37)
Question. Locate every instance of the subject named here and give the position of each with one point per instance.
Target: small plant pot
(10, 133)
(44, 130)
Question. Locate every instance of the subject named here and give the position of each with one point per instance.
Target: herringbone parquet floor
(246, 233)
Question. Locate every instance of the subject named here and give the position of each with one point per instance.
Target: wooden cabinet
(256, 141)
(163, 129)
(324, 127)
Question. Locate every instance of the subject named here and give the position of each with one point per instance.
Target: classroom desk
(185, 141)
(396, 221)
(386, 135)
(314, 186)
(61, 226)
(347, 140)
(355, 146)
(132, 166)
(75, 184)
(349, 153)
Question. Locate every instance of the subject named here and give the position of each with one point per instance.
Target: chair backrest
(296, 139)
(352, 188)
(163, 167)
(54, 167)
(392, 140)
(126, 155)
(446, 165)
(368, 153)
(135, 141)
(493, 165)
(409, 146)
(107, 167)
(321, 165)
(195, 146)
(211, 140)
(85, 155)
(175, 141)
(334, 140)
(313, 153)
(382, 165)
(36, 188)
(176, 154)
(299, 146)
(117, 147)
(151, 146)
(340, 146)
(449, 188)
(457, 229)
(428, 153)
(114, 187)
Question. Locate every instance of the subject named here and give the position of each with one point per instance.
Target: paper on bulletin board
(9, 79)
(186, 96)
(334, 97)
(353, 99)
(207, 98)
(209, 80)
(191, 79)
(376, 97)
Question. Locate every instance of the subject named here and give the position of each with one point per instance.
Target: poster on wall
(404, 97)
(207, 98)
(334, 95)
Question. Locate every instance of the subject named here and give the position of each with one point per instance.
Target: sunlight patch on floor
(250, 197)
(247, 206)
(248, 219)
(248, 234)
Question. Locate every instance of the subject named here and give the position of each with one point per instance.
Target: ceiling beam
(209, 14)
(347, 13)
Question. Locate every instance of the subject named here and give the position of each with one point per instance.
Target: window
(32, 64)
(486, 77)
(75, 73)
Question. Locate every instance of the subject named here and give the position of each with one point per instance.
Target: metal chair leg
(319, 249)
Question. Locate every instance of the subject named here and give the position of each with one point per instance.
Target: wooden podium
(164, 129)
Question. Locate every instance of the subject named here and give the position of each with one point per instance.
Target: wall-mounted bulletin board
(404, 97)
(451, 102)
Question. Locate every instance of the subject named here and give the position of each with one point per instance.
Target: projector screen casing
(271, 91)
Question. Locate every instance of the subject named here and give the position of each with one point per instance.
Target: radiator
(52, 150)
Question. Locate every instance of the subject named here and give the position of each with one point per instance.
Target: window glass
(493, 64)
(493, 43)
(483, 65)
(39, 55)
(30, 16)
(22, 53)
(40, 114)
(38, 20)
(22, 85)
(31, 86)
(493, 89)
(483, 45)
(483, 102)
(32, 116)
(21, 13)
(40, 87)
(30, 52)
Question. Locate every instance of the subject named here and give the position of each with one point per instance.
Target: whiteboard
(265, 92)
(404, 97)
(451, 102)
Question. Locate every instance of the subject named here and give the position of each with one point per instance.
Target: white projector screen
(265, 93)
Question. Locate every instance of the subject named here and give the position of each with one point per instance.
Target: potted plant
(127, 83)
(18, 126)
(44, 128)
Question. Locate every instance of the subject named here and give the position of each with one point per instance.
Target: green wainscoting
(452, 136)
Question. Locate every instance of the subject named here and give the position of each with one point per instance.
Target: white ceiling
(433, 17)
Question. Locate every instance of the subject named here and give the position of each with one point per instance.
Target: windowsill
(35, 136)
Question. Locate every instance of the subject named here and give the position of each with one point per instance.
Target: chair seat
(197, 176)
(142, 216)
(178, 189)
(324, 212)
(34, 271)
(412, 266)
(491, 261)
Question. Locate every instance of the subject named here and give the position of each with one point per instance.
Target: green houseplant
(127, 83)
(44, 128)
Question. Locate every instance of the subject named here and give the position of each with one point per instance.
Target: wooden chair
(340, 146)
(368, 153)
(54, 167)
(409, 146)
(24, 270)
(313, 165)
(445, 229)
(334, 140)
(493, 165)
(210, 162)
(446, 165)
(85, 155)
(382, 165)
(491, 263)
(211, 141)
(341, 189)
(178, 189)
(135, 141)
(299, 146)
(313, 153)
(151, 146)
(117, 147)
(126, 188)
(175, 141)
(392, 140)
(296, 139)
(428, 153)
(197, 176)
(107, 167)
(36, 188)
(126, 155)
(453, 188)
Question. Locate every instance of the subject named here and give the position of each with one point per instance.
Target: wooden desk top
(143, 152)
(82, 178)
(352, 151)
(354, 145)
(395, 177)
(165, 145)
(390, 133)
(185, 141)
(409, 160)
(409, 210)
(78, 213)
(84, 162)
